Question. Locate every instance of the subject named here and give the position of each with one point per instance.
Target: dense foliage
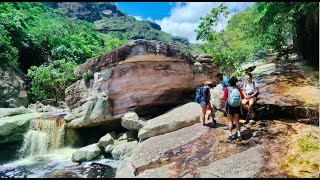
(35, 35)
(50, 81)
(265, 25)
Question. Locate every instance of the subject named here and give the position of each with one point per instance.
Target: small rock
(164, 159)
(257, 133)
(252, 121)
(106, 140)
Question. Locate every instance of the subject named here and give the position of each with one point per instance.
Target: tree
(50, 82)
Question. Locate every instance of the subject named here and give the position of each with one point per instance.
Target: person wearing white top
(250, 91)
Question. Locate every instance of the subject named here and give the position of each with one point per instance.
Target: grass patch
(308, 143)
(302, 161)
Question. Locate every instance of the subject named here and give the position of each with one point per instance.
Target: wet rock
(105, 140)
(131, 121)
(126, 169)
(13, 128)
(124, 150)
(180, 117)
(86, 153)
(4, 112)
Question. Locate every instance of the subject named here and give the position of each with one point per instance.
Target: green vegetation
(302, 160)
(265, 25)
(308, 143)
(50, 81)
(35, 35)
(87, 76)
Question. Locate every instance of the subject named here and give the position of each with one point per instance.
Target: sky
(179, 18)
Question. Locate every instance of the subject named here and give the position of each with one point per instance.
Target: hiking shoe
(239, 138)
(214, 122)
(205, 126)
(230, 138)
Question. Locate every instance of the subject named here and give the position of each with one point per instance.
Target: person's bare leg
(211, 113)
(251, 102)
(230, 122)
(204, 110)
(236, 118)
(244, 104)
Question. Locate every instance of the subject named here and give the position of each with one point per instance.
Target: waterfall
(43, 135)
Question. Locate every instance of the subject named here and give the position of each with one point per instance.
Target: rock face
(86, 153)
(175, 119)
(89, 11)
(13, 91)
(287, 88)
(140, 76)
(13, 128)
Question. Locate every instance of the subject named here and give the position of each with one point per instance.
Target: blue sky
(178, 18)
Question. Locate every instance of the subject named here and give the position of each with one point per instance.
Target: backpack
(234, 98)
(254, 86)
(199, 94)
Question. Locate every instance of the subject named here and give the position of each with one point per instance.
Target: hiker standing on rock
(224, 82)
(203, 98)
(250, 89)
(233, 95)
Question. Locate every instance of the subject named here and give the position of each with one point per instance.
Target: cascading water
(43, 136)
(43, 154)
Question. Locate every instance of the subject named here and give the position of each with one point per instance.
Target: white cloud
(185, 17)
(138, 18)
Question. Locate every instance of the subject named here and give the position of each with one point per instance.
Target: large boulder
(180, 117)
(13, 128)
(124, 150)
(106, 140)
(131, 121)
(153, 149)
(86, 153)
(141, 76)
(14, 111)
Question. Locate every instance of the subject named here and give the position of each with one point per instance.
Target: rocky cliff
(140, 76)
(13, 92)
(108, 19)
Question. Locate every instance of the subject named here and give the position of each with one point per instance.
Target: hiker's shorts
(233, 110)
(203, 102)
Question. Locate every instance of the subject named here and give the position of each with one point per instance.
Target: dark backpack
(199, 93)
